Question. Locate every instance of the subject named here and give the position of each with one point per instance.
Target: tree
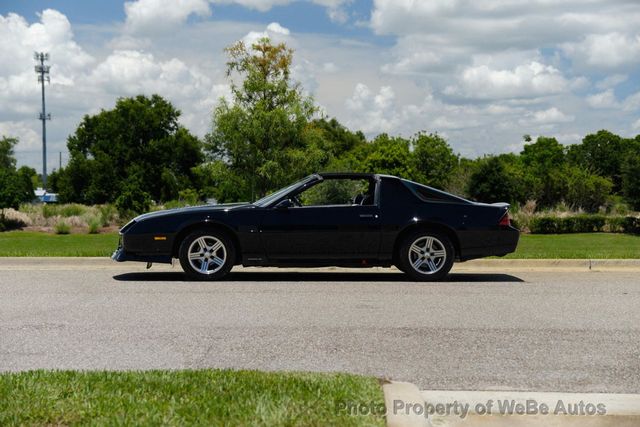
(602, 153)
(492, 182)
(15, 185)
(434, 160)
(261, 137)
(631, 181)
(7, 159)
(543, 155)
(387, 155)
(139, 141)
(585, 190)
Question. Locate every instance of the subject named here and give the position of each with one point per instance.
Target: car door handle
(368, 216)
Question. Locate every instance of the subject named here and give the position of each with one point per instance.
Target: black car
(327, 219)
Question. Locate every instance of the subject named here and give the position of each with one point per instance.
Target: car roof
(353, 175)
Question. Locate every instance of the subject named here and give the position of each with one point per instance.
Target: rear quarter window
(427, 194)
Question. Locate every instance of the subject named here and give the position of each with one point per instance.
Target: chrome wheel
(207, 254)
(427, 255)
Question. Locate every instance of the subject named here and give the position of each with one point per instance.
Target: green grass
(203, 397)
(578, 246)
(570, 246)
(28, 243)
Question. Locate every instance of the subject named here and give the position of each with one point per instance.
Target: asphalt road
(542, 331)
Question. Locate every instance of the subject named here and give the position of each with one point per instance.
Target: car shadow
(312, 277)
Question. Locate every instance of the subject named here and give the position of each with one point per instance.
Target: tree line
(271, 133)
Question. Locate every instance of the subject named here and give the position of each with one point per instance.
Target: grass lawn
(29, 243)
(578, 246)
(571, 246)
(203, 397)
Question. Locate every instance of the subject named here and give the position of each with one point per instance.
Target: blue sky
(482, 73)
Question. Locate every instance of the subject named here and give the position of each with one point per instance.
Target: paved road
(543, 331)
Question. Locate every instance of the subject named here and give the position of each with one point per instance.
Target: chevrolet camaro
(326, 219)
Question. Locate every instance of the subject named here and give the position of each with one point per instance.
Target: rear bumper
(496, 243)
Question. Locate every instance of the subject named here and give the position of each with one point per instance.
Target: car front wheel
(426, 256)
(207, 255)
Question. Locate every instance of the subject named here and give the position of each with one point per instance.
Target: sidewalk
(409, 407)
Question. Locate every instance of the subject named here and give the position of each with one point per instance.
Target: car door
(334, 220)
(321, 233)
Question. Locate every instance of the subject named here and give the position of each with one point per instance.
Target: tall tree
(602, 153)
(7, 159)
(15, 185)
(259, 137)
(139, 142)
(434, 160)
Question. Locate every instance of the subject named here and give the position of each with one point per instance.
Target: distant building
(43, 196)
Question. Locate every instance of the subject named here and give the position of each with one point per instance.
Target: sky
(481, 73)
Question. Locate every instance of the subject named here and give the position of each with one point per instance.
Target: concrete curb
(408, 407)
(496, 265)
(408, 394)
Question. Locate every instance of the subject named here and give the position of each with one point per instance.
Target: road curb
(409, 407)
(408, 394)
(496, 265)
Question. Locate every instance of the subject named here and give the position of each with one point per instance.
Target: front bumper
(121, 255)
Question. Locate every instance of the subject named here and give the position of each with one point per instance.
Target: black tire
(214, 240)
(431, 266)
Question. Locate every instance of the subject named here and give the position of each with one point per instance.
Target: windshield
(275, 196)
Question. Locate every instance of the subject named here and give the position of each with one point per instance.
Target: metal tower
(43, 76)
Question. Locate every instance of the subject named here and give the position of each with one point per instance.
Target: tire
(426, 255)
(197, 259)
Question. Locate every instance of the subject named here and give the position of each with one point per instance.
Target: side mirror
(285, 204)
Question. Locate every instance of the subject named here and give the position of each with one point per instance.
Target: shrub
(94, 225)
(71, 210)
(631, 180)
(570, 224)
(62, 227)
(189, 196)
(108, 215)
(133, 200)
(49, 211)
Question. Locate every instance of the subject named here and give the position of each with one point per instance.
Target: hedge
(584, 224)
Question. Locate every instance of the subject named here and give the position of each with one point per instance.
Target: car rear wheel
(207, 255)
(426, 255)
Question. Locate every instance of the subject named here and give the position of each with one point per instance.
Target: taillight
(505, 221)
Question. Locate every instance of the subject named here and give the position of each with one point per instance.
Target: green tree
(140, 138)
(434, 160)
(585, 190)
(387, 155)
(543, 155)
(7, 159)
(603, 153)
(261, 137)
(631, 180)
(492, 182)
(15, 185)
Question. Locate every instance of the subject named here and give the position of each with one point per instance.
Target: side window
(339, 192)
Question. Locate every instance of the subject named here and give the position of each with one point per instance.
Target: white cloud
(274, 31)
(605, 99)
(636, 125)
(276, 28)
(632, 102)
(524, 81)
(154, 16)
(606, 51)
(546, 117)
(611, 81)
(158, 16)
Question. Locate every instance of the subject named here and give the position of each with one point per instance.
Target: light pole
(43, 76)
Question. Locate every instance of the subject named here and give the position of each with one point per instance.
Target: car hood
(193, 209)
